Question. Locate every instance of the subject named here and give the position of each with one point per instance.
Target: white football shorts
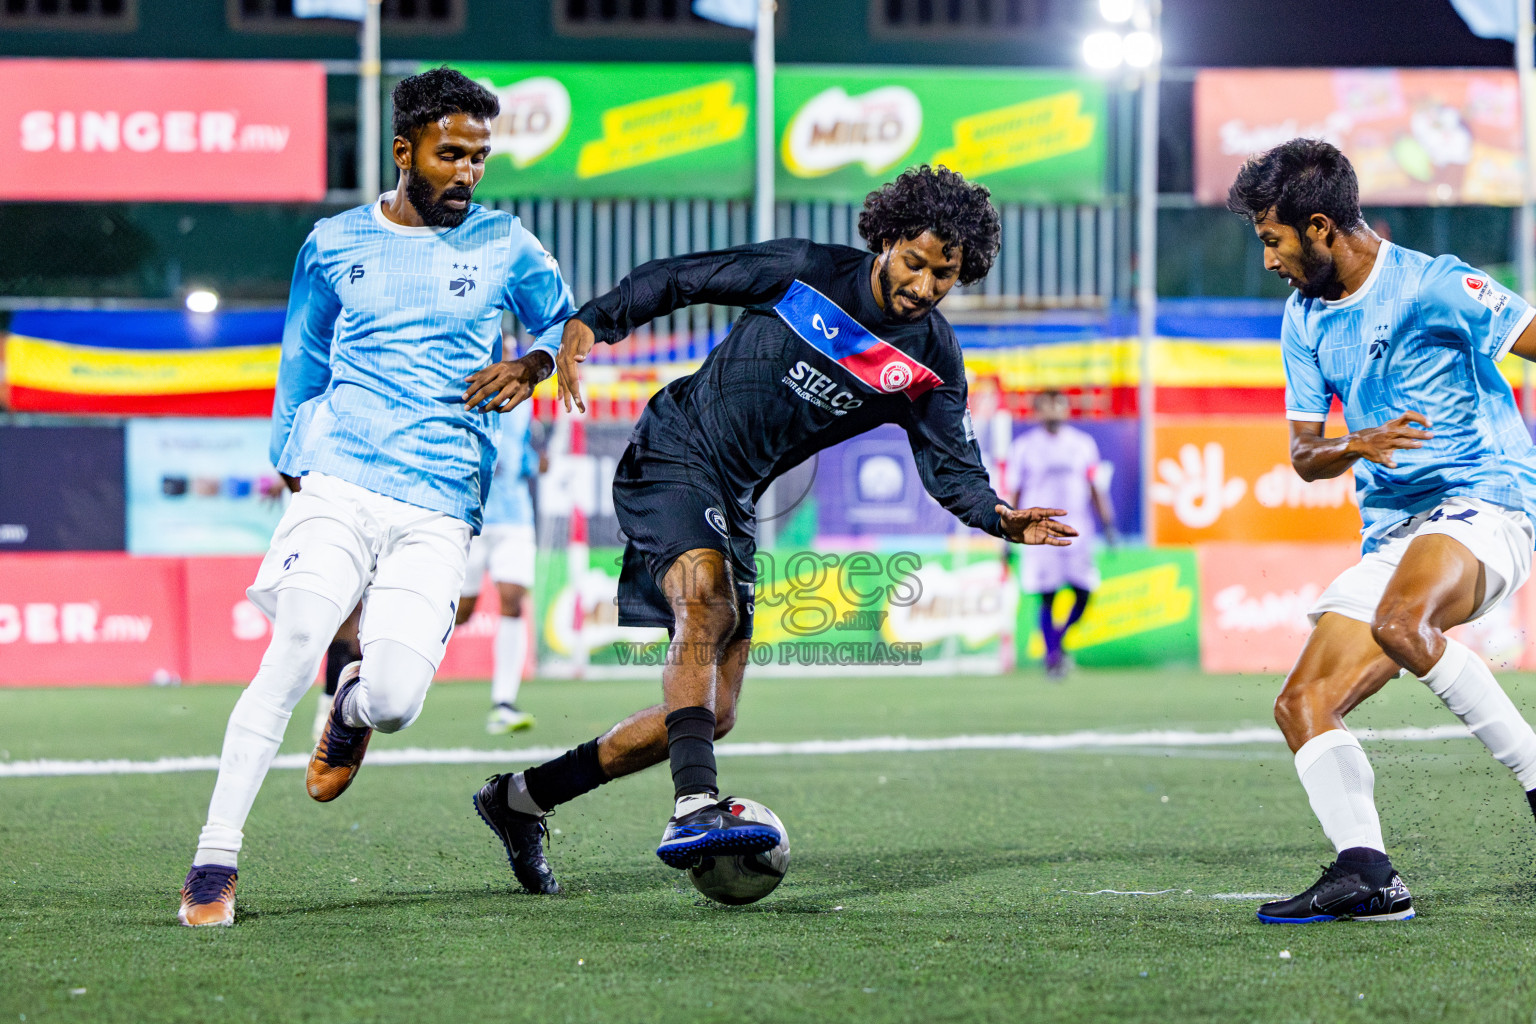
(1047, 569)
(1502, 539)
(507, 550)
(345, 542)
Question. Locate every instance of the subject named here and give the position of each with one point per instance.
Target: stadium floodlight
(1140, 49)
(202, 300)
(1104, 50)
(1117, 11)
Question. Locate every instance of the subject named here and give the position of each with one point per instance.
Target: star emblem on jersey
(716, 521)
(463, 284)
(895, 376)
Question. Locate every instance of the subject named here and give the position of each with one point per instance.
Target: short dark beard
(431, 207)
(1319, 274)
(887, 292)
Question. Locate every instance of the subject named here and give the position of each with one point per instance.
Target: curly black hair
(935, 199)
(1297, 179)
(434, 94)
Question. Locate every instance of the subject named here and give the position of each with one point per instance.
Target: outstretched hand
(502, 386)
(575, 343)
(1035, 526)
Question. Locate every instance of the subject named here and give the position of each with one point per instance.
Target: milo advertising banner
(1029, 136)
(609, 130)
(870, 612)
(603, 131)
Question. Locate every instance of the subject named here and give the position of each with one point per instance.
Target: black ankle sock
(1372, 865)
(573, 773)
(691, 749)
(1362, 855)
(338, 656)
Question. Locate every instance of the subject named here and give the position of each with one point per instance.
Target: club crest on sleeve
(713, 517)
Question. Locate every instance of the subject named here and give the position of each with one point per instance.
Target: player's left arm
(1525, 345)
(1459, 300)
(541, 300)
(949, 464)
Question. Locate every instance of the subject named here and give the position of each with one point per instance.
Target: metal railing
(1073, 256)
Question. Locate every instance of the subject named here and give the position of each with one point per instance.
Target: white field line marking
(1126, 892)
(1083, 740)
(1247, 895)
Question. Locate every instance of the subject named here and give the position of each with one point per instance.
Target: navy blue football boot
(1346, 892)
(713, 831)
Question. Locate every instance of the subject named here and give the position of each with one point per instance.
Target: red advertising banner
(91, 619)
(162, 130)
(1254, 600)
(1415, 137)
(114, 619)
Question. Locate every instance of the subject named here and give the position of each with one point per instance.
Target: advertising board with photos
(201, 487)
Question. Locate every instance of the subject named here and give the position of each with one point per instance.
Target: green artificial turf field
(944, 885)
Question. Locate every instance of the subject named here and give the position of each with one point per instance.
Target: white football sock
(518, 798)
(1341, 787)
(511, 652)
(391, 689)
(1465, 683)
(692, 802)
(304, 627)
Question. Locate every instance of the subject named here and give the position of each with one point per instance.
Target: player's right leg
(408, 617)
(1339, 667)
(515, 805)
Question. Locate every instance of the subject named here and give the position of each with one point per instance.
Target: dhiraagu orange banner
(1230, 479)
(572, 130)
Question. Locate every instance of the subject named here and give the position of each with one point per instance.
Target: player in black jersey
(832, 342)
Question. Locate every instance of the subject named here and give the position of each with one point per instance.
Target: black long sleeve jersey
(812, 361)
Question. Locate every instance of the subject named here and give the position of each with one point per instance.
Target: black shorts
(666, 507)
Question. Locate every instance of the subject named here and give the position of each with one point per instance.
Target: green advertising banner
(1145, 612)
(605, 131)
(1029, 136)
(613, 130)
(838, 611)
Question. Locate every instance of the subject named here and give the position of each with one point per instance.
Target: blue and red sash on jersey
(878, 365)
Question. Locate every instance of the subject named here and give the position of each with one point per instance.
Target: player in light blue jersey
(387, 399)
(1445, 473)
(506, 548)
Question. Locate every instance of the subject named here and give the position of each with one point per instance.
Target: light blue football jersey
(385, 324)
(517, 465)
(1423, 334)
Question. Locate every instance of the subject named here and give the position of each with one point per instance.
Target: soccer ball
(747, 878)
